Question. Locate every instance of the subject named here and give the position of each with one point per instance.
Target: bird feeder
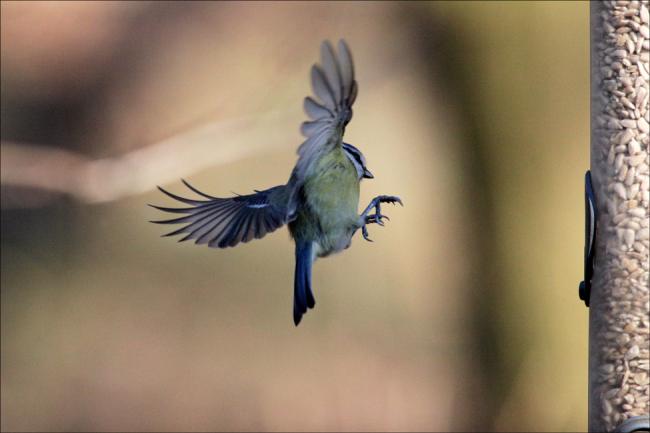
(616, 277)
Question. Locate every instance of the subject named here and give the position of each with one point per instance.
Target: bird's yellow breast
(333, 191)
(331, 195)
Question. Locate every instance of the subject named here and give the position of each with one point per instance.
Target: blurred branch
(107, 179)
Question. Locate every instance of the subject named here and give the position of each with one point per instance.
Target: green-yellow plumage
(329, 213)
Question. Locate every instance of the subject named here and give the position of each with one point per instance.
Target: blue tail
(303, 297)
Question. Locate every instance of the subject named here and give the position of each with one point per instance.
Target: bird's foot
(377, 201)
(377, 217)
(372, 219)
(364, 233)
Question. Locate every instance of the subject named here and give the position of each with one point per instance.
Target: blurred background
(462, 315)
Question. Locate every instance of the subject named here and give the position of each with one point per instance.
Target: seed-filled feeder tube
(619, 303)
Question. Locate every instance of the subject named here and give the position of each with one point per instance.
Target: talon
(380, 219)
(390, 199)
(364, 232)
(376, 219)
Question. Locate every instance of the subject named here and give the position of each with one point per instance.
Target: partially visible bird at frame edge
(319, 202)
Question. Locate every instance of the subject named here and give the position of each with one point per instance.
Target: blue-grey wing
(330, 110)
(224, 222)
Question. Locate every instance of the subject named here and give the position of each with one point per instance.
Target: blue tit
(321, 198)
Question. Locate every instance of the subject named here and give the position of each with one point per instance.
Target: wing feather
(243, 229)
(352, 96)
(191, 228)
(321, 87)
(187, 184)
(214, 228)
(330, 110)
(229, 237)
(315, 110)
(225, 222)
(312, 128)
(258, 227)
(197, 213)
(331, 69)
(182, 199)
(347, 67)
(246, 232)
(199, 227)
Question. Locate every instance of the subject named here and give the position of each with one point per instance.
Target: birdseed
(619, 323)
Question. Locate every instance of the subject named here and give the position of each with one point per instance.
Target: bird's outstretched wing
(330, 110)
(224, 222)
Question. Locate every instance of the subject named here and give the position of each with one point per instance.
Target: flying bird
(321, 198)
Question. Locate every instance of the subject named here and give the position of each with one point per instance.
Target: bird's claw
(389, 199)
(377, 205)
(377, 217)
(364, 232)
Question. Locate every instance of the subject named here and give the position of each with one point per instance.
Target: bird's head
(358, 160)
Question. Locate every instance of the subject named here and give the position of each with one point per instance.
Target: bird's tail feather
(303, 297)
